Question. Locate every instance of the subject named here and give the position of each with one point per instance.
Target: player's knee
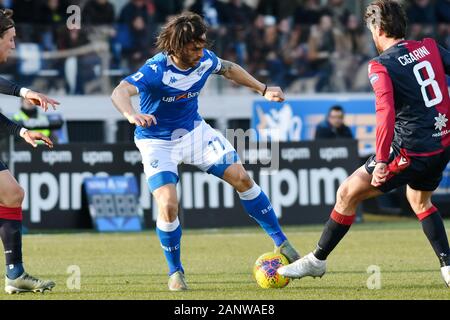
(168, 209)
(243, 182)
(420, 206)
(14, 197)
(418, 203)
(342, 193)
(345, 194)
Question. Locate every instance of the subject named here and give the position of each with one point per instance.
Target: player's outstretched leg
(258, 206)
(314, 263)
(16, 279)
(355, 189)
(168, 229)
(432, 226)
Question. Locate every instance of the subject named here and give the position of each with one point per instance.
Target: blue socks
(258, 206)
(169, 234)
(13, 271)
(255, 203)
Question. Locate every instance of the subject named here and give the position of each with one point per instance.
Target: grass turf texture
(219, 264)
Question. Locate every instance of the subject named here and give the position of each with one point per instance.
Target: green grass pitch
(219, 264)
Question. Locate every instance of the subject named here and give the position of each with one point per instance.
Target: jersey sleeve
(9, 88)
(385, 109)
(217, 65)
(445, 55)
(145, 78)
(11, 127)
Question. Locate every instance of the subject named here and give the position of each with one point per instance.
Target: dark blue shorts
(420, 173)
(3, 166)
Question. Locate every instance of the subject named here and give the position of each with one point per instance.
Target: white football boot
(309, 265)
(445, 271)
(177, 282)
(27, 283)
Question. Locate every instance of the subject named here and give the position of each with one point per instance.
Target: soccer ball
(265, 270)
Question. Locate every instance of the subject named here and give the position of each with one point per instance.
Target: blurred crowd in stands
(301, 45)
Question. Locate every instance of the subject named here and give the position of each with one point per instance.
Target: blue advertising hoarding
(296, 120)
(114, 203)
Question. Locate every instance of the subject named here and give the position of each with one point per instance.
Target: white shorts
(203, 147)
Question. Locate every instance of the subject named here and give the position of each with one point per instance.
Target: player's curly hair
(181, 30)
(388, 15)
(6, 21)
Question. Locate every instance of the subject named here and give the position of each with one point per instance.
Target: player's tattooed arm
(236, 73)
(225, 67)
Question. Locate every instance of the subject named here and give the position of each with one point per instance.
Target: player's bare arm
(235, 72)
(121, 98)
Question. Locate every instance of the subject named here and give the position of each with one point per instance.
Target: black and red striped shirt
(412, 99)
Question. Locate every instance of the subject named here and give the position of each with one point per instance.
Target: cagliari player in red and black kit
(412, 137)
(11, 194)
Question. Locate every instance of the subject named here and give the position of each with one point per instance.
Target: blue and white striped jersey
(171, 94)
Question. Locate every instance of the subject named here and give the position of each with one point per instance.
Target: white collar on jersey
(171, 63)
(184, 81)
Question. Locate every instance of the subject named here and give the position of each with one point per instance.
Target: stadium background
(316, 50)
(281, 42)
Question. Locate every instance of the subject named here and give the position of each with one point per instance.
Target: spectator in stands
(265, 57)
(213, 11)
(351, 71)
(164, 9)
(308, 14)
(422, 18)
(422, 12)
(256, 60)
(25, 11)
(338, 10)
(98, 16)
(277, 67)
(85, 63)
(50, 17)
(272, 53)
(98, 12)
(71, 39)
(135, 33)
(236, 46)
(133, 9)
(24, 18)
(279, 9)
(443, 36)
(333, 126)
(239, 13)
(295, 57)
(443, 11)
(324, 45)
(52, 12)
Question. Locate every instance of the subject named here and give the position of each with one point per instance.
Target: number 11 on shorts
(215, 144)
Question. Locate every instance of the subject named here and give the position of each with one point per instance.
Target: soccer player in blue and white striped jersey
(169, 130)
